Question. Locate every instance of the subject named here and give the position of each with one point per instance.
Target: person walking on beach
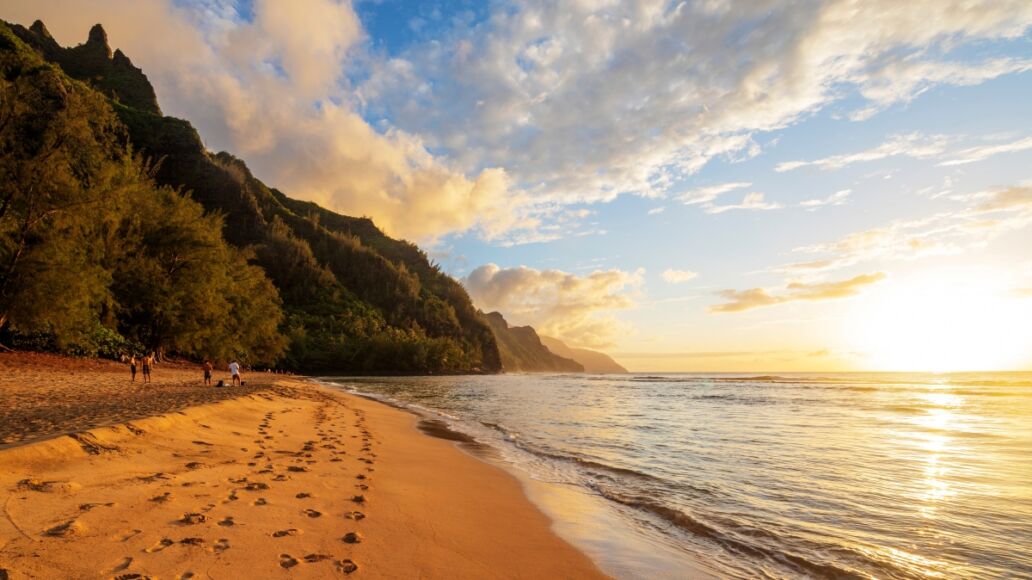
(207, 373)
(234, 371)
(132, 368)
(147, 362)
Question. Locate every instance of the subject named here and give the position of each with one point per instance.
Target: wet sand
(295, 480)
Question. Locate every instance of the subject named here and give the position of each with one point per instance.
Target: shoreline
(612, 535)
(300, 480)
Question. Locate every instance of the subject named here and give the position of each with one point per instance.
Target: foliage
(95, 258)
(148, 263)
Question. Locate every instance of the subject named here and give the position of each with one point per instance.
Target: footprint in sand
(260, 501)
(85, 507)
(185, 576)
(161, 545)
(313, 558)
(355, 516)
(192, 541)
(126, 536)
(162, 498)
(312, 513)
(359, 499)
(352, 538)
(123, 565)
(362, 486)
(194, 465)
(303, 495)
(285, 533)
(256, 486)
(132, 576)
(221, 546)
(281, 477)
(288, 561)
(204, 443)
(335, 460)
(347, 566)
(66, 530)
(297, 468)
(48, 486)
(193, 518)
(227, 522)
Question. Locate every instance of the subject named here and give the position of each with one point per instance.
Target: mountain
(593, 361)
(353, 299)
(521, 349)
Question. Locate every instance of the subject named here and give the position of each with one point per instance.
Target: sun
(942, 321)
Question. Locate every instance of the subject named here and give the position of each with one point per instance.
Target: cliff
(593, 361)
(522, 351)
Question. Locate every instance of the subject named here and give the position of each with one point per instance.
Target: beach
(283, 478)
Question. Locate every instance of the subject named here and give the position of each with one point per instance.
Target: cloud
(985, 216)
(656, 210)
(489, 125)
(751, 201)
(742, 300)
(1012, 199)
(585, 101)
(708, 194)
(273, 90)
(902, 81)
(576, 309)
(837, 198)
(672, 276)
(914, 145)
(980, 153)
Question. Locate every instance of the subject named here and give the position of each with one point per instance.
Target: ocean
(861, 475)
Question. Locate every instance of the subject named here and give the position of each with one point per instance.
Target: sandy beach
(282, 479)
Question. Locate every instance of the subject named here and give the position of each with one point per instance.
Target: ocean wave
(580, 461)
(699, 529)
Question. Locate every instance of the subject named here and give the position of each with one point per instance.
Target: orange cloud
(742, 300)
(573, 308)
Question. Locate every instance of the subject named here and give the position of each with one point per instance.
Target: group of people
(147, 361)
(234, 373)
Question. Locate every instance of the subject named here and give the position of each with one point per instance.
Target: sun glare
(943, 321)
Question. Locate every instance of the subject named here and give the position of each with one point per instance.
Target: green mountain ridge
(353, 299)
(522, 351)
(592, 361)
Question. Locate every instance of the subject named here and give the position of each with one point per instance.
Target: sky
(689, 186)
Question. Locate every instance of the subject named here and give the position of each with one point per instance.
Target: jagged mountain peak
(93, 62)
(41, 29)
(98, 38)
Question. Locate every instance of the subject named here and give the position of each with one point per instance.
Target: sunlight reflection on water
(858, 475)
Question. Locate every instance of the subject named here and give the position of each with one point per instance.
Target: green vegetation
(95, 257)
(522, 350)
(229, 268)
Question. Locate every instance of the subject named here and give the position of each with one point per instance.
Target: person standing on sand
(132, 368)
(207, 373)
(147, 362)
(234, 371)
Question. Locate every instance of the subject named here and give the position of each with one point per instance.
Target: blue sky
(705, 185)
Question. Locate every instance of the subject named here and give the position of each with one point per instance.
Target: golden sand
(298, 481)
